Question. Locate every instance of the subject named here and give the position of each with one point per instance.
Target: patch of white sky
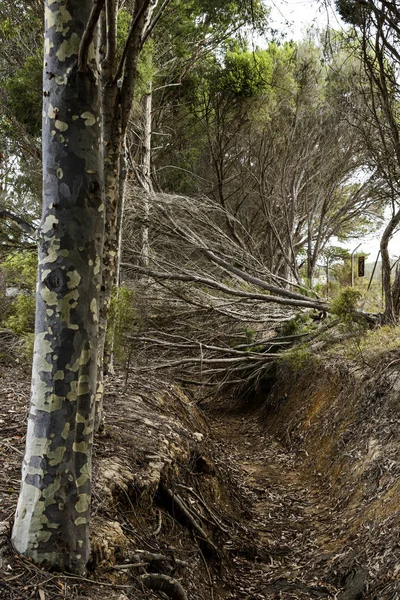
(294, 18)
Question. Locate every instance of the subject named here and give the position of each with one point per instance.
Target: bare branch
(154, 22)
(22, 224)
(128, 43)
(224, 288)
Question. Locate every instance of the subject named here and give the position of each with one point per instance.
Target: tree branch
(251, 279)
(154, 22)
(226, 289)
(88, 35)
(22, 224)
(132, 31)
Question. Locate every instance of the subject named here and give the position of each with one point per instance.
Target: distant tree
(273, 147)
(21, 60)
(376, 34)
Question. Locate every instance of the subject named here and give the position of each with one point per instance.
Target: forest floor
(277, 531)
(290, 521)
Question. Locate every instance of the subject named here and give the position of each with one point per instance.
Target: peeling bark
(52, 519)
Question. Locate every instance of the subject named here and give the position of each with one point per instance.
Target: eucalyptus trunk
(112, 148)
(110, 337)
(52, 520)
(146, 172)
(118, 85)
(111, 141)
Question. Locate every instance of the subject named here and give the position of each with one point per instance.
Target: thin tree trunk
(396, 291)
(391, 314)
(110, 336)
(116, 106)
(52, 520)
(310, 265)
(112, 148)
(146, 171)
(111, 138)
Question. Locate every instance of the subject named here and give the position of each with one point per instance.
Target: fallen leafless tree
(208, 312)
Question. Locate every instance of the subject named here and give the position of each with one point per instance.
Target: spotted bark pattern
(52, 519)
(116, 108)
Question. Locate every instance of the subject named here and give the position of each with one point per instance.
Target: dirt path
(283, 551)
(281, 533)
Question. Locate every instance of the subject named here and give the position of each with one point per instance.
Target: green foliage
(296, 357)
(121, 320)
(345, 304)
(146, 69)
(246, 74)
(301, 323)
(25, 93)
(20, 270)
(305, 289)
(189, 25)
(250, 334)
(335, 253)
(22, 319)
(123, 24)
(350, 11)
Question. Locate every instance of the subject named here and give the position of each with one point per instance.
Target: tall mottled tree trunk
(52, 519)
(118, 85)
(111, 138)
(112, 147)
(110, 338)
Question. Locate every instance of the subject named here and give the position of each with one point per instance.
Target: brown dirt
(298, 499)
(284, 532)
(151, 436)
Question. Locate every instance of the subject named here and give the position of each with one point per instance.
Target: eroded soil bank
(295, 498)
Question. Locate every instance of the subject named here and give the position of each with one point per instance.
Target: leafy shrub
(121, 320)
(22, 318)
(20, 270)
(345, 304)
(301, 323)
(297, 357)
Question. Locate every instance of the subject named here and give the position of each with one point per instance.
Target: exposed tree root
(163, 583)
(177, 508)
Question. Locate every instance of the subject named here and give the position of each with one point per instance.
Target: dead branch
(178, 509)
(22, 224)
(309, 303)
(214, 518)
